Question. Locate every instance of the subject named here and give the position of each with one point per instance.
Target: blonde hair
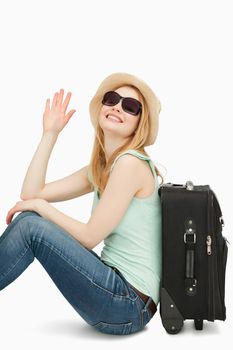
(99, 166)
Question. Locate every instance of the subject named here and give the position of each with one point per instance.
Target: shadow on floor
(79, 329)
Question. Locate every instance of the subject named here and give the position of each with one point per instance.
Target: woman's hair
(99, 167)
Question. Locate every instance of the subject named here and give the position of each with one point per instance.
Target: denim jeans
(99, 293)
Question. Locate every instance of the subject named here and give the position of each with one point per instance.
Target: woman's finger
(54, 100)
(9, 218)
(69, 115)
(66, 102)
(60, 97)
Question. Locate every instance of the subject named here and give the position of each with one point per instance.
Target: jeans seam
(128, 286)
(58, 252)
(111, 293)
(139, 311)
(128, 296)
(11, 268)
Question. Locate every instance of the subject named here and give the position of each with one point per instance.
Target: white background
(183, 50)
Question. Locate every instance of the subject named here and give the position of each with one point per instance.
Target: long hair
(99, 166)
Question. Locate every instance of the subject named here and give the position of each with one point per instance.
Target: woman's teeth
(112, 117)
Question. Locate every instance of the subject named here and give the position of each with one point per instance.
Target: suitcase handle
(190, 242)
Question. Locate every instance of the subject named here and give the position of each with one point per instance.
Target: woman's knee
(28, 212)
(32, 226)
(25, 213)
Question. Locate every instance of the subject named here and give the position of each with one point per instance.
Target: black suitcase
(194, 256)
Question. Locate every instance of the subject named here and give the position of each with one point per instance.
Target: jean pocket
(114, 328)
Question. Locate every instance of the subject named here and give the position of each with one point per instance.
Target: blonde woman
(117, 292)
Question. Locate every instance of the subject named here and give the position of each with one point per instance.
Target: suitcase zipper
(209, 242)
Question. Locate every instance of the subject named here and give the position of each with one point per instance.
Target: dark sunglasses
(129, 104)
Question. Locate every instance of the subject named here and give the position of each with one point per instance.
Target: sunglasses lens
(111, 98)
(131, 105)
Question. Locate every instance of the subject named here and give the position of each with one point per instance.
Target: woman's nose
(117, 107)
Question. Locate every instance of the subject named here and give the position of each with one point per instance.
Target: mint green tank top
(134, 246)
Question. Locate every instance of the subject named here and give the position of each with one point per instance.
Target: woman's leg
(97, 292)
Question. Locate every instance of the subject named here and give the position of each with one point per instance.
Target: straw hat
(114, 81)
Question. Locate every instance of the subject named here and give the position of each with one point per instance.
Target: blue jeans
(99, 293)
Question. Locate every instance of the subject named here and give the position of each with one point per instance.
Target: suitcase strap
(190, 242)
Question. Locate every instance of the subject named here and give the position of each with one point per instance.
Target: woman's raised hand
(55, 117)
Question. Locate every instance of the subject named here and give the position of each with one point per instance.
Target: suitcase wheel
(198, 324)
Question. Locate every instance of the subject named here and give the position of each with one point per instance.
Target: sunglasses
(129, 104)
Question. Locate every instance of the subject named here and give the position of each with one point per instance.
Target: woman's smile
(113, 118)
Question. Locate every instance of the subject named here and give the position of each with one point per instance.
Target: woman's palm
(55, 117)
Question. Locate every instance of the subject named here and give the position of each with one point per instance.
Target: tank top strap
(139, 155)
(152, 166)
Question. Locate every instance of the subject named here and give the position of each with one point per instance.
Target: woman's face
(129, 122)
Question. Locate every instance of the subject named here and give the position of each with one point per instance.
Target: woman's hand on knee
(30, 204)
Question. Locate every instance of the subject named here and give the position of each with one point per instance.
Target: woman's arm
(54, 120)
(34, 180)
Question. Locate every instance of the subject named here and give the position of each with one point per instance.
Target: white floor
(34, 315)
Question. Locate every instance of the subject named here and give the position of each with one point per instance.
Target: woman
(116, 292)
